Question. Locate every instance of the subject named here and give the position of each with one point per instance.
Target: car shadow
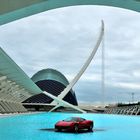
(80, 131)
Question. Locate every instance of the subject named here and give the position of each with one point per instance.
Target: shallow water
(41, 127)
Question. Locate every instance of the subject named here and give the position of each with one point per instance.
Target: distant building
(51, 81)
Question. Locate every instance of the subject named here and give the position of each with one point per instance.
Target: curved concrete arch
(59, 99)
(10, 11)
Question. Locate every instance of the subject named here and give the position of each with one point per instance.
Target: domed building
(51, 81)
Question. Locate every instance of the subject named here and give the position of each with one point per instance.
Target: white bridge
(124, 110)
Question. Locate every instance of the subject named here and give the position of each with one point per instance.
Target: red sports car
(74, 124)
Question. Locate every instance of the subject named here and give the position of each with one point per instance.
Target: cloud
(63, 39)
(132, 86)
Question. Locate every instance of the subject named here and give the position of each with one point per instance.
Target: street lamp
(132, 97)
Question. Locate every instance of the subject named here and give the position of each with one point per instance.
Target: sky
(63, 38)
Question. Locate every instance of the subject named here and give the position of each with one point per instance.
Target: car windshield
(73, 119)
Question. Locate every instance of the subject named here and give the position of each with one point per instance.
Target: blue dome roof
(50, 74)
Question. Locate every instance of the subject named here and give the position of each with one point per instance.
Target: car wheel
(76, 128)
(57, 129)
(90, 128)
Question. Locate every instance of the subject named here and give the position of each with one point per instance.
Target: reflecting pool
(41, 127)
